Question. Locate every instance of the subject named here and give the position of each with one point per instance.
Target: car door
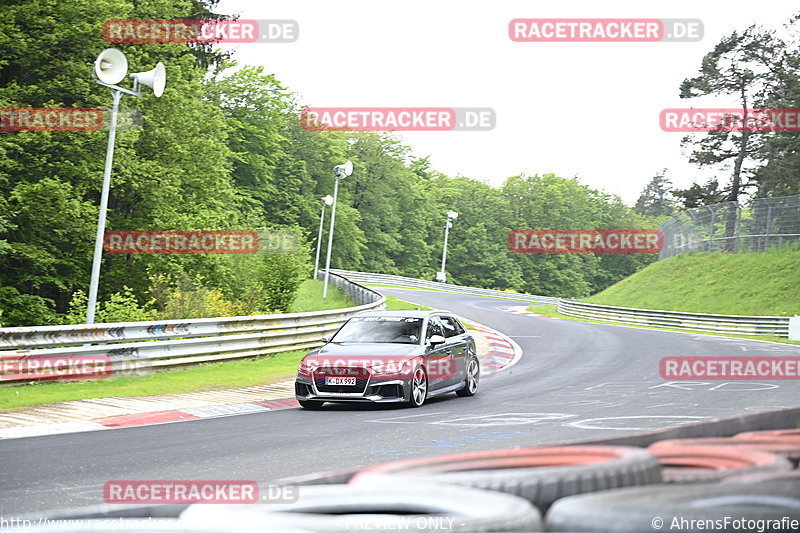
(437, 357)
(457, 344)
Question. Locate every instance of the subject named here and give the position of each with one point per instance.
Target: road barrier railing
(776, 326)
(132, 347)
(413, 283)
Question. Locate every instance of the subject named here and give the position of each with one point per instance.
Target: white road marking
(609, 422)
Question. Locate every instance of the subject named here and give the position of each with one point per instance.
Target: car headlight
(305, 369)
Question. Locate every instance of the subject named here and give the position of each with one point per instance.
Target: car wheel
(419, 388)
(471, 381)
(310, 404)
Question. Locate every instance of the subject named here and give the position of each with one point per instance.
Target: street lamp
(110, 68)
(339, 171)
(328, 200)
(451, 215)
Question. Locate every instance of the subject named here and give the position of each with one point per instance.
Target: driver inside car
(408, 333)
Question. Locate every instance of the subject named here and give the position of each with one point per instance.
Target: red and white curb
(146, 419)
(88, 415)
(522, 310)
(502, 352)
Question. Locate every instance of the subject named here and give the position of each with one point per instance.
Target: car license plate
(341, 381)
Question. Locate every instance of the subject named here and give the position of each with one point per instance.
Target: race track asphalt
(575, 381)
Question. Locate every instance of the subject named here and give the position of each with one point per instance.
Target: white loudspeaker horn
(156, 78)
(111, 66)
(343, 170)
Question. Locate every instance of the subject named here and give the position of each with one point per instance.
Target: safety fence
(413, 283)
(776, 326)
(730, 227)
(140, 347)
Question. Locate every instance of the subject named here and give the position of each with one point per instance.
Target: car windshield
(402, 330)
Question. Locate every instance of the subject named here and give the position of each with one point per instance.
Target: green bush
(282, 274)
(121, 306)
(20, 309)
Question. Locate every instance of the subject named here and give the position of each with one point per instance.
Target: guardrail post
(794, 328)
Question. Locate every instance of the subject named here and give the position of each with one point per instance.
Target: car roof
(406, 314)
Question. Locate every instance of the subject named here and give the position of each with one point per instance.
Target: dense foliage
(224, 149)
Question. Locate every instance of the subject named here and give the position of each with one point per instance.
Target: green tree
(656, 199)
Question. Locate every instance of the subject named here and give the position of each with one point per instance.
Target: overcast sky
(585, 109)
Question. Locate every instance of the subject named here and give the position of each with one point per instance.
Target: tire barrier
(540, 475)
(718, 507)
(378, 507)
(698, 464)
(772, 435)
(331, 477)
(787, 449)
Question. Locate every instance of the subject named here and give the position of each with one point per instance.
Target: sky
(574, 109)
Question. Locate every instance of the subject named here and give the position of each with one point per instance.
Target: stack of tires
(749, 481)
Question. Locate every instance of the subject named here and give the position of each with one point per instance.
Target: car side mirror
(436, 340)
(326, 339)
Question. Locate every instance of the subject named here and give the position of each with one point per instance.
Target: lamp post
(339, 171)
(328, 200)
(451, 215)
(110, 68)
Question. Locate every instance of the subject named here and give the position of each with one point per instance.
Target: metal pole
(319, 240)
(711, 229)
(330, 240)
(444, 250)
(769, 224)
(101, 219)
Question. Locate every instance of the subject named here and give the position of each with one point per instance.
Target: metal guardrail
(776, 326)
(134, 347)
(413, 283)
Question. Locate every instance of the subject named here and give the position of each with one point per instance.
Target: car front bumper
(376, 391)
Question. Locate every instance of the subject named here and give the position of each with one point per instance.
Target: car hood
(363, 351)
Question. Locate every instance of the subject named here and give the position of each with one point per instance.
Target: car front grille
(361, 375)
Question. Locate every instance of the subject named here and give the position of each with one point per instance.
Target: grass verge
(765, 283)
(393, 304)
(309, 298)
(213, 376)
